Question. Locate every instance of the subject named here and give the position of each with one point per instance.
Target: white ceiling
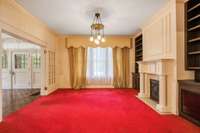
(120, 17)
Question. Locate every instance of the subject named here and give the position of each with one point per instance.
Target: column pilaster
(162, 106)
(142, 91)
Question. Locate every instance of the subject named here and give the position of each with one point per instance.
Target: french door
(21, 70)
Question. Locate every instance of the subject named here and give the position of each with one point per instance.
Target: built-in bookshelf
(189, 91)
(138, 51)
(192, 24)
(138, 57)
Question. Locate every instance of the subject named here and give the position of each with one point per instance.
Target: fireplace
(154, 90)
(155, 87)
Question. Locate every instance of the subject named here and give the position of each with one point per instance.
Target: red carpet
(93, 111)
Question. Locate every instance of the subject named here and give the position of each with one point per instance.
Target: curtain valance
(111, 41)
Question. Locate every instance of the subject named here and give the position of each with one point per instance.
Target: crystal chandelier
(97, 30)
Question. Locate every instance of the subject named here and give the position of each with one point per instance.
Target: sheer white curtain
(99, 66)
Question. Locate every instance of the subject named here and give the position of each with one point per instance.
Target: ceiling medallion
(97, 30)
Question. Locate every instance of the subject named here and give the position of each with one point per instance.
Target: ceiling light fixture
(97, 30)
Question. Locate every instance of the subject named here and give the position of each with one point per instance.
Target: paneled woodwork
(157, 37)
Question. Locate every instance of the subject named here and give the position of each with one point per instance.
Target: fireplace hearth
(154, 90)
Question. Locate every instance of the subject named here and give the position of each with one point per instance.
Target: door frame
(30, 70)
(1, 95)
(23, 36)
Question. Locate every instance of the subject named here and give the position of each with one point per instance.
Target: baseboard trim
(48, 92)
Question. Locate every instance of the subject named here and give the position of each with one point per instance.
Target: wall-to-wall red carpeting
(93, 111)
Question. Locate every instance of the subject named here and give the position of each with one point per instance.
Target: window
(99, 66)
(36, 60)
(4, 60)
(52, 77)
(20, 61)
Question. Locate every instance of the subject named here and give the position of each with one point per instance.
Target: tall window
(99, 66)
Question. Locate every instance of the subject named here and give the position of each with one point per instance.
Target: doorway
(21, 73)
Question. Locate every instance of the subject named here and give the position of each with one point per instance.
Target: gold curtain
(121, 67)
(78, 64)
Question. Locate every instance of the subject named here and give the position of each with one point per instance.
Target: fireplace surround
(158, 72)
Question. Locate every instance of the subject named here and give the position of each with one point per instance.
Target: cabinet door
(189, 99)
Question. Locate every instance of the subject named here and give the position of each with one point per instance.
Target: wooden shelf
(194, 68)
(194, 40)
(192, 34)
(193, 18)
(137, 61)
(194, 7)
(138, 50)
(138, 40)
(193, 53)
(194, 28)
(138, 45)
(140, 55)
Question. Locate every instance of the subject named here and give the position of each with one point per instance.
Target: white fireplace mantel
(156, 69)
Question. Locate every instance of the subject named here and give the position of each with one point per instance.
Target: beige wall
(17, 21)
(62, 65)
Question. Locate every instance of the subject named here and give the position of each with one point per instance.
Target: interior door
(36, 69)
(21, 71)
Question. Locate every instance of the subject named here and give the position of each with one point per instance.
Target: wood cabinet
(189, 100)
